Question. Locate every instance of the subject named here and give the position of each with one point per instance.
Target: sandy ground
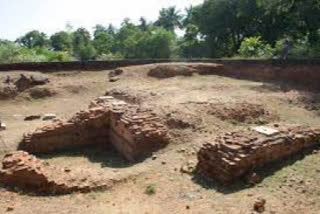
(291, 186)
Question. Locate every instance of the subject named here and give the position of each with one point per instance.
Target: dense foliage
(216, 28)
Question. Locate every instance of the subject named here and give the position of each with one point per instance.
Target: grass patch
(150, 189)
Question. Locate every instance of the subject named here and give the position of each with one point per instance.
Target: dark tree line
(216, 28)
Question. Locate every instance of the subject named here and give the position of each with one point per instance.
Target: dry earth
(189, 104)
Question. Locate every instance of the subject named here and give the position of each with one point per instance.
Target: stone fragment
(253, 178)
(2, 126)
(114, 79)
(259, 205)
(265, 130)
(188, 167)
(10, 208)
(32, 117)
(49, 117)
(115, 72)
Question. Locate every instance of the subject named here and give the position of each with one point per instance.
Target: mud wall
(302, 72)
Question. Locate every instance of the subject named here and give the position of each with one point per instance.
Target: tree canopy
(215, 28)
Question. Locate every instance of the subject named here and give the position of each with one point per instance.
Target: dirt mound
(41, 92)
(242, 112)
(183, 69)
(167, 71)
(29, 173)
(229, 157)
(8, 92)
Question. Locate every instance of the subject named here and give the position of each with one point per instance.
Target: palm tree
(169, 19)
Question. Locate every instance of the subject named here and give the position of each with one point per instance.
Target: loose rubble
(41, 92)
(229, 157)
(115, 72)
(31, 174)
(8, 92)
(26, 82)
(127, 95)
(243, 112)
(133, 131)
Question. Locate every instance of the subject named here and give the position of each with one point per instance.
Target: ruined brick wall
(31, 174)
(134, 132)
(233, 155)
(86, 127)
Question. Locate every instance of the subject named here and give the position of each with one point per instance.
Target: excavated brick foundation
(134, 132)
(29, 173)
(235, 154)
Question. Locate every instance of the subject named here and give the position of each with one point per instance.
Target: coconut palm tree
(169, 19)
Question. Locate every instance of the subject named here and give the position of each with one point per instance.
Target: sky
(18, 17)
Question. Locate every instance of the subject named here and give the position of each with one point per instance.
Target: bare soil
(183, 102)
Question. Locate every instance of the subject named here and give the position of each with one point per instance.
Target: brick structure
(235, 154)
(29, 173)
(134, 132)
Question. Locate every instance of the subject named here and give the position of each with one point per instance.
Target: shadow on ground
(241, 184)
(107, 156)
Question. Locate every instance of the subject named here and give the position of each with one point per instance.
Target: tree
(103, 40)
(254, 47)
(61, 41)
(86, 52)
(127, 39)
(33, 39)
(192, 45)
(143, 24)
(81, 37)
(155, 43)
(111, 30)
(295, 18)
(82, 45)
(169, 19)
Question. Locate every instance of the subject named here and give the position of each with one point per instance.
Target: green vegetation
(216, 28)
(254, 47)
(150, 190)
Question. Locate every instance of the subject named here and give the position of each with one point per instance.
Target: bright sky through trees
(17, 17)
